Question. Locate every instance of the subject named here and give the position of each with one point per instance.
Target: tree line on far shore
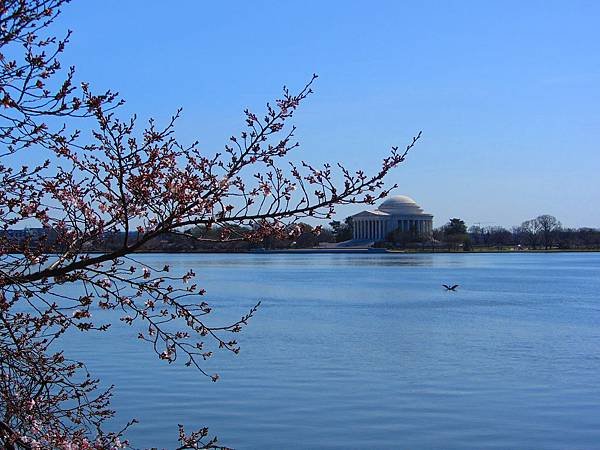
(544, 232)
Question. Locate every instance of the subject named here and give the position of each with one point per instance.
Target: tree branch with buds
(141, 184)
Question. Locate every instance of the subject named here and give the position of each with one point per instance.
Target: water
(370, 352)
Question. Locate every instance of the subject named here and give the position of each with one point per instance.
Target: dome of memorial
(400, 205)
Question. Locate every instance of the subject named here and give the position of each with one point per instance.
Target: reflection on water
(369, 351)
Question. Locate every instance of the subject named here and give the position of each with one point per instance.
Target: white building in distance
(398, 212)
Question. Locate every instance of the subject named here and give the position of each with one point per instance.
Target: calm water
(369, 352)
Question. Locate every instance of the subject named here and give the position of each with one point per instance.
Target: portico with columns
(396, 213)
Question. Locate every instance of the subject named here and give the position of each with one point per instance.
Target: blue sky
(507, 93)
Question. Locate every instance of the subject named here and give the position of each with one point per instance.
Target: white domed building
(398, 212)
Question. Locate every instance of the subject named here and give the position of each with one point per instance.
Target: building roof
(375, 212)
(397, 205)
(400, 205)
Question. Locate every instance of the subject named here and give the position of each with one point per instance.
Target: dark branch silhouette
(142, 182)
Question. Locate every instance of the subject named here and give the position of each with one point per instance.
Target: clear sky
(507, 93)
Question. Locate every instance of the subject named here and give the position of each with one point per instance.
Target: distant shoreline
(351, 251)
(362, 251)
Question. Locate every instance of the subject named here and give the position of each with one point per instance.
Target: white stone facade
(397, 212)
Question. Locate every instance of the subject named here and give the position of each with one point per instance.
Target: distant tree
(499, 237)
(335, 225)
(343, 231)
(325, 235)
(467, 244)
(402, 238)
(477, 234)
(567, 238)
(545, 231)
(540, 231)
(308, 236)
(518, 236)
(548, 227)
(438, 234)
(455, 226)
(145, 185)
(530, 230)
(455, 233)
(588, 237)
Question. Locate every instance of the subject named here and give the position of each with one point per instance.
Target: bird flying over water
(450, 288)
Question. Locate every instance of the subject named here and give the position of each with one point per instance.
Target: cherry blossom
(134, 184)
